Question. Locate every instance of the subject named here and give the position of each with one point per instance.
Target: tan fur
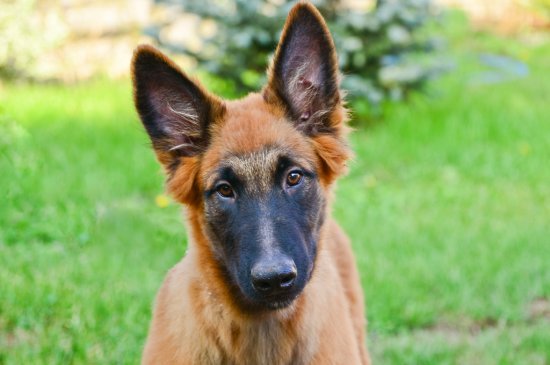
(197, 319)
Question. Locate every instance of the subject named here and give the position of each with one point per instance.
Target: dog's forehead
(250, 165)
(251, 140)
(256, 169)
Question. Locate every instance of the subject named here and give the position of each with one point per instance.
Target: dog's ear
(303, 76)
(175, 111)
(303, 79)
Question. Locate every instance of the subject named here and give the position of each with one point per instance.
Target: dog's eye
(225, 190)
(294, 178)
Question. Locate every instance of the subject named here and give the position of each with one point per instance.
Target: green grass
(447, 203)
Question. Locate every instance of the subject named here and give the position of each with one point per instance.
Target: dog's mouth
(280, 302)
(270, 303)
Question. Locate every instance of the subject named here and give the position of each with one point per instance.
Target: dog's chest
(272, 341)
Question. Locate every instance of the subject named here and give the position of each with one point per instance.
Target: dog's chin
(279, 304)
(271, 304)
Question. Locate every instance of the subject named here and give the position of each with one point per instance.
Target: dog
(268, 277)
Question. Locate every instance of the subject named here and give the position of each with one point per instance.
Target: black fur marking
(265, 227)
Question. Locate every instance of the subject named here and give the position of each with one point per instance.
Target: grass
(447, 203)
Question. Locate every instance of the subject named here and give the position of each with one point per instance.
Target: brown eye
(225, 190)
(294, 178)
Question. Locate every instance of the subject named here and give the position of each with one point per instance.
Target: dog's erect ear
(304, 73)
(175, 111)
(303, 78)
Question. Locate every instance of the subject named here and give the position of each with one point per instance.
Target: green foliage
(378, 48)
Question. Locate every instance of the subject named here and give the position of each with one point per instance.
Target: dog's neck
(259, 337)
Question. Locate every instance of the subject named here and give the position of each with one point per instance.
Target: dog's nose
(273, 277)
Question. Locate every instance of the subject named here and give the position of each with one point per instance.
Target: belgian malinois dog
(269, 278)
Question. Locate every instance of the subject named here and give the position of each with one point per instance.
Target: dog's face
(263, 206)
(255, 171)
(263, 212)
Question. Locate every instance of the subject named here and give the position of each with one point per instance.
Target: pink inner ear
(304, 86)
(178, 114)
(304, 73)
(304, 82)
(174, 109)
(305, 116)
(177, 118)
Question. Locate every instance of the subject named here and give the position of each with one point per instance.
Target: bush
(378, 47)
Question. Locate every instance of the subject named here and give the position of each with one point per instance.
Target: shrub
(378, 47)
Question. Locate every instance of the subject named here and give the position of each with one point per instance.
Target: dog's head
(256, 171)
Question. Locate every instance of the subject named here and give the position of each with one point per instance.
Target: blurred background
(447, 201)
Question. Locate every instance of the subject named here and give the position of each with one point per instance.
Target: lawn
(447, 204)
